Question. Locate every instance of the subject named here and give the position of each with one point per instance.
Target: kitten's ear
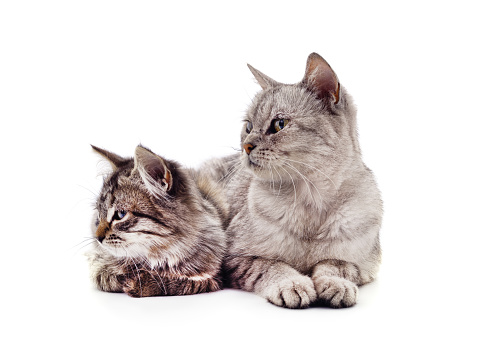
(321, 79)
(263, 80)
(153, 171)
(115, 160)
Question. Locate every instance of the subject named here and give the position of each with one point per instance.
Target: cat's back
(220, 170)
(212, 196)
(360, 190)
(223, 181)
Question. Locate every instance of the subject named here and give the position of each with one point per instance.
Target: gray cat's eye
(249, 127)
(279, 124)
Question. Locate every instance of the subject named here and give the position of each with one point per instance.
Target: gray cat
(157, 233)
(305, 210)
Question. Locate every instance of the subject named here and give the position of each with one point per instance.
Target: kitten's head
(144, 208)
(292, 130)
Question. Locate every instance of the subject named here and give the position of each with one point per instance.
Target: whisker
(295, 170)
(308, 180)
(95, 194)
(294, 186)
(83, 241)
(235, 168)
(281, 181)
(317, 169)
(228, 177)
(137, 270)
(82, 244)
(232, 170)
(272, 177)
(147, 264)
(155, 269)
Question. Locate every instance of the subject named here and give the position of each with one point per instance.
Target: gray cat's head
(292, 130)
(142, 210)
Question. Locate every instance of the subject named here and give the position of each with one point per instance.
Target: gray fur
(305, 210)
(171, 240)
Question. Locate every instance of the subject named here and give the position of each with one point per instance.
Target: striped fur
(159, 228)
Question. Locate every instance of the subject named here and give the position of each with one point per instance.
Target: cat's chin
(262, 171)
(116, 252)
(253, 166)
(139, 254)
(123, 251)
(256, 169)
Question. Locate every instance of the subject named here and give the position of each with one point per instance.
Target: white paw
(336, 292)
(295, 292)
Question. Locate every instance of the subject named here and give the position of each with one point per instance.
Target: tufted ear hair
(154, 172)
(321, 79)
(115, 160)
(264, 81)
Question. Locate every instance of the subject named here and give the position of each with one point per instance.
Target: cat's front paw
(141, 284)
(336, 292)
(296, 292)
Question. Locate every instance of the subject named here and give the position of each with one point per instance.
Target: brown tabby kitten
(157, 233)
(305, 210)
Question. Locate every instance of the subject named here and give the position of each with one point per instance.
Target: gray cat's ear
(263, 80)
(153, 171)
(321, 79)
(115, 160)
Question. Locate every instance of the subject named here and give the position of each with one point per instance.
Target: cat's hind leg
(336, 283)
(275, 281)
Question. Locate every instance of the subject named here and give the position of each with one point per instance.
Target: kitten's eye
(249, 127)
(279, 124)
(119, 215)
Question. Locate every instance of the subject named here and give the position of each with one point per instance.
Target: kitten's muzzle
(248, 147)
(101, 231)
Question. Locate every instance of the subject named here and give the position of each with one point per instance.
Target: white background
(173, 76)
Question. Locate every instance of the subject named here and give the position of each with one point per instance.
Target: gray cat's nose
(248, 148)
(100, 238)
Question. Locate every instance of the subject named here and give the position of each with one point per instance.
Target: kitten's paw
(140, 285)
(336, 292)
(131, 287)
(294, 293)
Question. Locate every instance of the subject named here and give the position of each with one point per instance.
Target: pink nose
(248, 148)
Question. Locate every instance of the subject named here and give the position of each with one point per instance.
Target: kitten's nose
(101, 231)
(248, 148)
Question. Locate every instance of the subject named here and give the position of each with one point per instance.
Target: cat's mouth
(114, 241)
(256, 164)
(117, 248)
(253, 164)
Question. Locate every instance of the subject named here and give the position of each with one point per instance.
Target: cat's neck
(299, 206)
(295, 193)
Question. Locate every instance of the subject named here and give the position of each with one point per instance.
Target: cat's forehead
(285, 100)
(123, 188)
(113, 181)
